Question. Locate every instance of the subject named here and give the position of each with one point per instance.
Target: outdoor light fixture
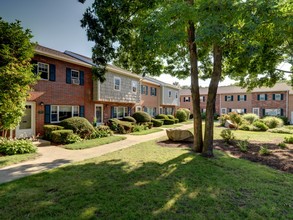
(41, 103)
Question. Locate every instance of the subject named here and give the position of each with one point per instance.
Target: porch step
(42, 143)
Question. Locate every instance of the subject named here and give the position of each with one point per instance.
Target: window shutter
(282, 96)
(229, 109)
(81, 111)
(263, 112)
(81, 78)
(68, 75)
(232, 98)
(155, 91)
(129, 111)
(225, 98)
(146, 90)
(245, 110)
(203, 98)
(245, 97)
(282, 112)
(112, 111)
(47, 114)
(238, 97)
(141, 89)
(35, 69)
(274, 97)
(266, 97)
(52, 74)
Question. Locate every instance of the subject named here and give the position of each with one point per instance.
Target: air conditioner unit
(75, 81)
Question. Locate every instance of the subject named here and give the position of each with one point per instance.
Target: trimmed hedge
(161, 116)
(169, 121)
(141, 117)
(103, 131)
(260, 125)
(129, 119)
(181, 115)
(80, 126)
(48, 129)
(157, 122)
(121, 127)
(273, 122)
(176, 120)
(187, 111)
(61, 136)
(171, 117)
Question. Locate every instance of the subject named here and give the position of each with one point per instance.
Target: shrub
(281, 130)
(260, 125)
(243, 145)
(284, 119)
(203, 115)
(187, 111)
(138, 128)
(61, 136)
(48, 131)
(121, 127)
(216, 116)
(80, 126)
(273, 122)
(161, 116)
(73, 138)
(12, 147)
(129, 119)
(227, 135)
(282, 145)
(169, 122)
(141, 117)
(250, 118)
(102, 131)
(245, 127)
(149, 125)
(235, 118)
(176, 120)
(170, 117)
(223, 119)
(181, 115)
(288, 140)
(157, 122)
(264, 151)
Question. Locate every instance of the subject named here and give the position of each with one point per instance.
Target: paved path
(52, 156)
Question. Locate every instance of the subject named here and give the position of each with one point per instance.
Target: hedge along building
(275, 101)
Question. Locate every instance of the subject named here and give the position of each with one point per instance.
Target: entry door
(99, 114)
(26, 127)
(291, 118)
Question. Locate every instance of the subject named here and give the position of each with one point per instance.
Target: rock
(229, 124)
(179, 135)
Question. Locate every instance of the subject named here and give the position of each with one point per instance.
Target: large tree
(16, 76)
(199, 38)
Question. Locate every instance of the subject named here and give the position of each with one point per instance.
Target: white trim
(42, 72)
(134, 84)
(121, 71)
(136, 108)
(102, 112)
(28, 132)
(255, 109)
(115, 77)
(221, 113)
(58, 110)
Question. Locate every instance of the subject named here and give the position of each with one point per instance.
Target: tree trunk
(213, 87)
(198, 143)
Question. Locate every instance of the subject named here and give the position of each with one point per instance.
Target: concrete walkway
(52, 156)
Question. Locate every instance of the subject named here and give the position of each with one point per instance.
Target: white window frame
(278, 96)
(241, 98)
(153, 91)
(176, 95)
(254, 110)
(124, 111)
(223, 111)
(48, 69)
(201, 98)
(73, 107)
(229, 98)
(102, 112)
(134, 86)
(75, 79)
(275, 110)
(119, 79)
(186, 99)
(238, 110)
(169, 93)
(262, 97)
(138, 108)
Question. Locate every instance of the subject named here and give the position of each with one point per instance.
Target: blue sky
(56, 24)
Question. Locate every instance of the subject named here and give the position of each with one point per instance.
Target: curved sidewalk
(52, 156)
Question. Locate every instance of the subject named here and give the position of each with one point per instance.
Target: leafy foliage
(264, 151)
(12, 147)
(157, 122)
(243, 145)
(129, 119)
(48, 131)
(273, 122)
(16, 74)
(227, 135)
(181, 115)
(141, 117)
(161, 116)
(260, 125)
(250, 118)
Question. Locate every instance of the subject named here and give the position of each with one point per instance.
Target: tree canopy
(244, 40)
(16, 51)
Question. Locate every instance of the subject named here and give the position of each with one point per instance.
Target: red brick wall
(148, 100)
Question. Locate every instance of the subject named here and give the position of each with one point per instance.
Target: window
(144, 90)
(238, 110)
(59, 113)
(75, 77)
(202, 98)
(262, 97)
(273, 112)
(255, 111)
(120, 112)
(169, 111)
(43, 69)
(117, 83)
(138, 108)
(278, 97)
(229, 98)
(186, 99)
(134, 86)
(241, 98)
(176, 95)
(169, 93)
(153, 91)
(151, 111)
(223, 111)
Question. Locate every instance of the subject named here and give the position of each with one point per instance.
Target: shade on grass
(147, 181)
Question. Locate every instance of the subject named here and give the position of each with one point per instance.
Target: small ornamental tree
(16, 76)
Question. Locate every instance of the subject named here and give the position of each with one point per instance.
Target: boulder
(179, 135)
(229, 124)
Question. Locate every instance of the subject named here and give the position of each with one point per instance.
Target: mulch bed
(280, 159)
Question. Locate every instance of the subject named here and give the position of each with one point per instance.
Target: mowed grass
(13, 159)
(148, 131)
(94, 142)
(148, 181)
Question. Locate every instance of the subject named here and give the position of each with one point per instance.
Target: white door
(255, 111)
(291, 118)
(26, 127)
(99, 114)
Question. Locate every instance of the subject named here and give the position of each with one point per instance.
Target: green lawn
(94, 142)
(13, 159)
(147, 181)
(145, 132)
(172, 126)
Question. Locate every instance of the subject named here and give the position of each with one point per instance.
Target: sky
(56, 24)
